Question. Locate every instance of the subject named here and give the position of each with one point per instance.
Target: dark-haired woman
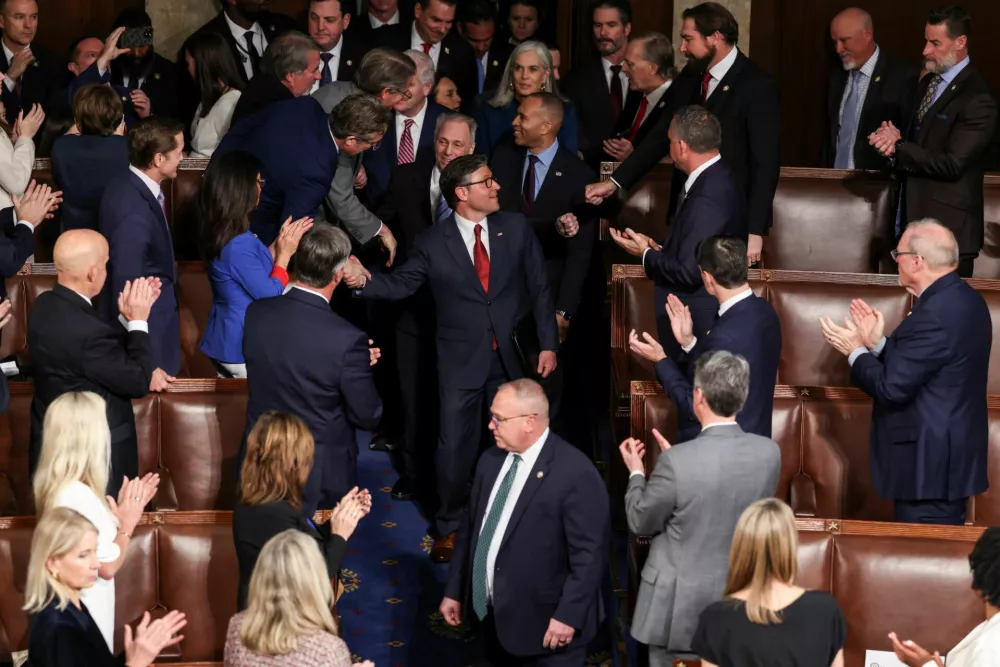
(210, 63)
(242, 269)
(981, 647)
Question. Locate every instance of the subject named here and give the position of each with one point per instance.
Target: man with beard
(599, 89)
(941, 154)
(248, 28)
(743, 98)
(31, 74)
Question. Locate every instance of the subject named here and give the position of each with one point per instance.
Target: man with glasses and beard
(942, 152)
(744, 99)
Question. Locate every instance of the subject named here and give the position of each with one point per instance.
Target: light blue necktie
(442, 212)
(479, 593)
(848, 124)
(482, 73)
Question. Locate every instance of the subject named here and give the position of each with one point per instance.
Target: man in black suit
(477, 24)
(533, 544)
(711, 205)
(325, 378)
(374, 14)
(869, 88)
(599, 89)
(546, 183)
(747, 325)
(340, 52)
(75, 349)
(942, 152)
(31, 73)
(487, 276)
(408, 210)
(744, 99)
(289, 68)
(430, 32)
(149, 78)
(248, 29)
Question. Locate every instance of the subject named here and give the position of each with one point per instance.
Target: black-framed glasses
(896, 254)
(488, 182)
(496, 421)
(407, 95)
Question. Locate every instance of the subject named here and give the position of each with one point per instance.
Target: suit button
(489, 303)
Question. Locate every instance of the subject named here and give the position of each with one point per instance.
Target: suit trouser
(940, 512)
(496, 656)
(334, 472)
(417, 365)
(462, 436)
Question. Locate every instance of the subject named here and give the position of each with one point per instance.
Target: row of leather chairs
(824, 220)
(189, 435)
(885, 577)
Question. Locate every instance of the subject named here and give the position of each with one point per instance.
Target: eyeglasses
(372, 145)
(896, 254)
(496, 421)
(407, 95)
(487, 182)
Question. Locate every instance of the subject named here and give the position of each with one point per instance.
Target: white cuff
(100, 71)
(636, 472)
(855, 353)
(643, 261)
(617, 184)
(9, 82)
(134, 325)
(690, 346)
(27, 224)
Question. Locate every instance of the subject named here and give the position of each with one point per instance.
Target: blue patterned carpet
(392, 589)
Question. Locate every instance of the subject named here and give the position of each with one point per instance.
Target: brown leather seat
(183, 221)
(988, 263)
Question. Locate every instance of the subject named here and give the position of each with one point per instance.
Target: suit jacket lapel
(499, 251)
(720, 96)
(950, 90)
(482, 502)
(536, 477)
(874, 87)
(553, 178)
(157, 211)
(456, 246)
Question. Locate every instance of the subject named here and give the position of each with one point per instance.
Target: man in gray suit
(690, 505)
(383, 74)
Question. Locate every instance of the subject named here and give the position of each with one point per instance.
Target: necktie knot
(408, 124)
(427, 47)
(616, 70)
(248, 36)
(532, 160)
(326, 57)
(706, 80)
(479, 233)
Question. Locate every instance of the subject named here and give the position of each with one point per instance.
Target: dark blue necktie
(326, 76)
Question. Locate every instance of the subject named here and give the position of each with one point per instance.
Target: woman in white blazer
(17, 152)
(981, 647)
(210, 63)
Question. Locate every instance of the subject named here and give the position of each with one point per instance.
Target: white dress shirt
(310, 291)
(418, 123)
(622, 78)
(417, 44)
(720, 70)
(653, 98)
(528, 459)
(435, 190)
(467, 229)
(259, 41)
(376, 24)
(153, 186)
(723, 307)
(864, 81)
(334, 64)
(9, 82)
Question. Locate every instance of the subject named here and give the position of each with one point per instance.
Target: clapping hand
(373, 352)
(661, 441)
(869, 321)
(19, 63)
(37, 203)
(27, 126)
(151, 638)
(681, 323)
(843, 339)
(648, 348)
(351, 509)
(911, 654)
(633, 453)
(288, 239)
(633, 242)
(6, 312)
(137, 298)
(133, 497)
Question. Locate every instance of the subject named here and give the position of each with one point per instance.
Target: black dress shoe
(403, 488)
(381, 443)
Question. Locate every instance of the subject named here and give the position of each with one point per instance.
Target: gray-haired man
(690, 504)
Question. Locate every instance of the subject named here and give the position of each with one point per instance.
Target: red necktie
(705, 80)
(482, 263)
(427, 48)
(616, 90)
(639, 115)
(406, 143)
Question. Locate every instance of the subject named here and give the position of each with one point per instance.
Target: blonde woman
(62, 565)
(73, 472)
(765, 619)
(288, 621)
(529, 70)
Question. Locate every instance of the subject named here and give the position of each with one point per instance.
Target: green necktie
(486, 539)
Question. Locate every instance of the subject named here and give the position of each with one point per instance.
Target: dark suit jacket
(38, 83)
(746, 104)
(82, 167)
(567, 260)
(553, 554)
(361, 25)
(74, 349)
(263, 91)
(496, 62)
(298, 159)
(587, 87)
(942, 162)
(467, 317)
(17, 244)
(254, 525)
(493, 126)
(381, 164)
(456, 60)
(749, 328)
(929, 423)
(713, 207)
(92, 75)
(68, 638)
(354, 49)
(325, 378)
(132, 221)
(159, 82)
(889, 98)
(271, 23)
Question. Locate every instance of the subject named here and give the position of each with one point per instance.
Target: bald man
(928, 380)
(74, 349)
(870, 87)
(532, 547)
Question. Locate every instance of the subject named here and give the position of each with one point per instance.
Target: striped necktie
(480, 594)
(442, 212)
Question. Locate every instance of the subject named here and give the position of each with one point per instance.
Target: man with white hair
(928, 380)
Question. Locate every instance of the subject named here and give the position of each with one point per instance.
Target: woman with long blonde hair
(73, 472)
(288, 620)
(64, 563)
(764, 618)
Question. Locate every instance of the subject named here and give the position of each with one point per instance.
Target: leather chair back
(988, 263)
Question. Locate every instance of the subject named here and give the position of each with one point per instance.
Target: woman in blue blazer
(241, 268)
(83, 164)
(529, 70)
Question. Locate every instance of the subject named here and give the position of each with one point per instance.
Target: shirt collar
(238, 31)
(153, 186)
(85, 298)
(311, 291)
(693, 176)
(417, 42)
(733, 300)
(418, 120)
(868, 69)
(947, 77)
(470, 226)
(546, 156)
(7, 52)
(337, 48)
(394, 19)
(530, 455)
(723, 66)
(708, 426)
(655, 96)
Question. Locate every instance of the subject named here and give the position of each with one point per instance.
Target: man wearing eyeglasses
(487, 275)
(928, 380)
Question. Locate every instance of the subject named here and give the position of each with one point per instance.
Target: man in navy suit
(928, 380)
(298, 147)
(533, 544)
(133, 219)
(487, 274)
(325, 377)
(711, 206)
(747, 325)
